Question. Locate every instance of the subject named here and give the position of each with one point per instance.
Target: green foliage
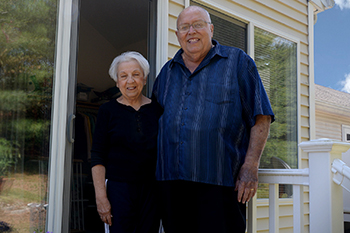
(27, 48)
(9, 154)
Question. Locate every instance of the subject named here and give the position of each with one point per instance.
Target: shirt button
(183, 124)
(181, 143)
(186, 108)
(138, 129)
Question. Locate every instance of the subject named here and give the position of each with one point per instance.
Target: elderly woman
(124, 152)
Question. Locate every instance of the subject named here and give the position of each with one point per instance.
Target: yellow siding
(329, 121)
(304, 79)
(304, 121)
(286, 18)
(175, 7)
(304, 48)
(304, 100)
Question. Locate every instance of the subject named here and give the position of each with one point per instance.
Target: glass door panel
(27, 53)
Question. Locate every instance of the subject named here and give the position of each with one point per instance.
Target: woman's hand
(103, 205)
(104, 210)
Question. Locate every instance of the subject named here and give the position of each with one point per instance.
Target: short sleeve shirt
(204, 131)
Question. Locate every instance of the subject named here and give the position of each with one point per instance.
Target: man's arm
(247, 180)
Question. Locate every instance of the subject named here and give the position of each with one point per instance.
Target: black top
(125, 141)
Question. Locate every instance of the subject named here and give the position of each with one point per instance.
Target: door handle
(70, 128)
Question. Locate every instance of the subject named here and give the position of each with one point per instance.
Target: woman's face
(130, 79)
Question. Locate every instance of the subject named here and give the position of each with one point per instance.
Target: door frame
(63, 106)
(60, 148)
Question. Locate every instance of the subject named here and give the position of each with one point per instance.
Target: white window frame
(345, 129)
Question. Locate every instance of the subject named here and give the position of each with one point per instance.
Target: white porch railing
(326, 176)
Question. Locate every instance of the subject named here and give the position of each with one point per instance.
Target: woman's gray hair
(125, 57)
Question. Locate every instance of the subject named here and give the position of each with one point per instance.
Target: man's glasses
(200, 24)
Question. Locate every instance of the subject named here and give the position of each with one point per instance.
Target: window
(27, 51)
(227, 30)
(276, 60)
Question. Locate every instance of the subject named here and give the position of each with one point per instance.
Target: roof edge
(322, 5)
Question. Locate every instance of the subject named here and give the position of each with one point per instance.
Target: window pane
(276, 60)
(27, 46)
(229, 33)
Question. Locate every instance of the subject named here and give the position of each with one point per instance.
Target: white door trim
(59, 118)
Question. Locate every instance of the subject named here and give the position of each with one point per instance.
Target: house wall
(329, 120)
(285, 18)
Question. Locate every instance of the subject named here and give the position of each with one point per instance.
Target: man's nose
(191, 30)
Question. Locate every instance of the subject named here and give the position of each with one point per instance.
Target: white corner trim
(312, 104)
(162, 34)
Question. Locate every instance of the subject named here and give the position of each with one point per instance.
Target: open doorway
(106, 29)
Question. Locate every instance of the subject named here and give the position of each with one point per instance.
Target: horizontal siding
(304, 111)
(172, 24)
(304, 48)
(329, 122)
(300, 6)
(297, 16)
(304, 59)
(285, 211)
(304, 121)
(304, 69)
(175, 7)
(304, 79)
(304, 100)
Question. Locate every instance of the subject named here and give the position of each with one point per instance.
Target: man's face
(195, 42)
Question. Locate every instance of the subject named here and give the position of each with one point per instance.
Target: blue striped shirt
(205, 128)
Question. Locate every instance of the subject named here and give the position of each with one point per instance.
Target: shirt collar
(217, 50)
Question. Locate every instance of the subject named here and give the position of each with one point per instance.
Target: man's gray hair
(125, 57)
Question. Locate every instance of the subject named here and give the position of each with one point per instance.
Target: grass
(14, 209)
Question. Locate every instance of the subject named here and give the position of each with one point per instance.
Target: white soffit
(322, 5)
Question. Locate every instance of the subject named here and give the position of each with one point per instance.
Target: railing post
(326, 197)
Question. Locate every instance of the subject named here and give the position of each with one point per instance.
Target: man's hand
(247, 180)
(247, 183)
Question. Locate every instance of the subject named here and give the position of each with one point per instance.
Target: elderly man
(212, 133)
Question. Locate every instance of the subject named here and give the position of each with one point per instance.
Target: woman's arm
(102, 202)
